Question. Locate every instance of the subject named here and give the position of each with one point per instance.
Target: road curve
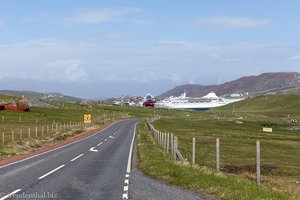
(93, 168)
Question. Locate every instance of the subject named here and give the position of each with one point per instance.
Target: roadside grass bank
(153, 162)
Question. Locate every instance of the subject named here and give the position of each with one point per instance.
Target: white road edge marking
(51, 172)
(77, 157)
(126, 182)
(99, 144)
(60, 147)
(105, 140)
(111, 137)
(10, 194)
(130, 151)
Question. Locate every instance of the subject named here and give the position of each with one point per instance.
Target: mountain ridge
(276, 82)
(35, 96)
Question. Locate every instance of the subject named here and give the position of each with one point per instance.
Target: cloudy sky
(98, 48)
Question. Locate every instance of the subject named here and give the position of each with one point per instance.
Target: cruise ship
(183, 102)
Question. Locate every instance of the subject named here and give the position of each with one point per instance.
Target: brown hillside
(263, 83)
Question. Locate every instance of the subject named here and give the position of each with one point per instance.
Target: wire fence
(170, 144)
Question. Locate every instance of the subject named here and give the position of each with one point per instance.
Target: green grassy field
(153, 162)
(280, 149)
(27, 131)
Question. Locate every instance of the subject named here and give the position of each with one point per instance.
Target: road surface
(97, 167)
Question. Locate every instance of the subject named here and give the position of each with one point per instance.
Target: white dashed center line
(10, 194)
(77, 157)
(51, 172)
(99, 144)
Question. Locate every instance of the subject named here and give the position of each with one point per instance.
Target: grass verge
(154, 163)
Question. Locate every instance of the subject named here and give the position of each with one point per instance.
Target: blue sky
(111, 48)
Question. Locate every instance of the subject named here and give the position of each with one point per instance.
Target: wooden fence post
(172, 144)
(21, 134)
(159, 138)
(12, 137)
(258, 163)
(36, 131)
(42, 131)
(168, 142)
(29, 135)
(218, 154)
(3, 138)
(165, 142)
(175, 146)
(194, 150)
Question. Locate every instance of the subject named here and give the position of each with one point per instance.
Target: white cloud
(175, 78)
(234, 22)
(293, 58)
(59, 61)
(140, 77)
(3, 75)
(176, 43)
(69, 70)
(99, 16)
(145, 22)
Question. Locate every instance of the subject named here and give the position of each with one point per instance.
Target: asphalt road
(97, 167)
(93, 168)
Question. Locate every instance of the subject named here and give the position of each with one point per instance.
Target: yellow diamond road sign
(87, 118)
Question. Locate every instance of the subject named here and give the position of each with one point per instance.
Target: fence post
(172, 144)
(3, 138)
(47, 129)
(158, 137)
(2, 118)
(12, 137)
(36, 131)
(218, 154)
(42, 131)
(165, 142)
(168, 142)
(29, 132)
(258, 163)
(194, 150)
(21, 134)
(20, 119)
(175, 146)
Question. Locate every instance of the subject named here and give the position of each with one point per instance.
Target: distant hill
(281, 82)
(284, 104)
(36, 96)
